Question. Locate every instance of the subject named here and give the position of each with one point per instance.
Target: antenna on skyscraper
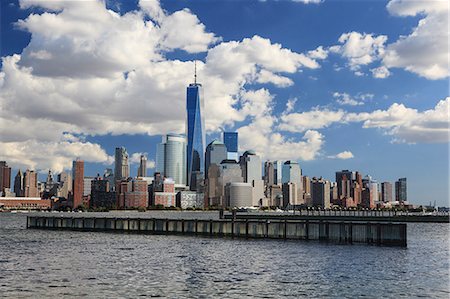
(195, 71)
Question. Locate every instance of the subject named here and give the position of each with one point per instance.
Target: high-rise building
(171, 158)
(306, 190)
(367, 194)
(65, 184)
(268, 178)
(290, 196)
(78, 182)
(230, 139)
(121, 167)
(87, 183)
(142, 170)
(108, 175)
(5, 176)
(30, 184)
(101, 197)
(386, 192)
(215, 153)
(292, 174)
(344, 180)
(320, 193)
(278, 172)
(400, 190)
(195, 132)
(252, 173)
(18, 184)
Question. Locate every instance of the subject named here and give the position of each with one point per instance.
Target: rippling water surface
(38, 263)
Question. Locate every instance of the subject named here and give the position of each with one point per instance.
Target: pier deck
(342, 232)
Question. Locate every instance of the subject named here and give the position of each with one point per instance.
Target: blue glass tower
(195, 127)
(230, 139)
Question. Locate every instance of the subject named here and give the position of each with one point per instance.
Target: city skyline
(344, 127)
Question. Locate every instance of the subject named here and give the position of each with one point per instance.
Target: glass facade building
(230, 139)
(171, 157)
(195, 132)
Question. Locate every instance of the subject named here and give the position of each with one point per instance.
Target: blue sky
(367, 86)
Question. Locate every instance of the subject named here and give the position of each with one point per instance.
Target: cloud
(425, 50)
(380, 72)
(90, 71)
(360, 48)
(405, 125)
(346, 99)
(318, 53)
(343, 98)
(56, 156)
(290, 105)
(314, 119)
(343, 155)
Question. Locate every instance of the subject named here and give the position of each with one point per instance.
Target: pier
(340, 232)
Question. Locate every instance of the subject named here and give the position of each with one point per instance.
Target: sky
(360, 85)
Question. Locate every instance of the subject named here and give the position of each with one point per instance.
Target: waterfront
(38, 263)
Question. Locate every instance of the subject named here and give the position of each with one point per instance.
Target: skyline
(268, 100)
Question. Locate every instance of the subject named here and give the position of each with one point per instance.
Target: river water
(39, 263)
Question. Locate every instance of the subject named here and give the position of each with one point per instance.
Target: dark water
(35, 263)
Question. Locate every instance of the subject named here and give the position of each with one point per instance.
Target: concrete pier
(382, 234)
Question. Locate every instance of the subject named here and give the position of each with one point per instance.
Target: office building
(30, 184)
(5, 176)
(292, 174)
(190, 200)
(252, 173)
(290, 196)
(278, 172)
(78, 182)
(320, 193)
(215, 153)
(18, 184)
(142, 170)
(171, 158)
(230, 139)
(195, 132)
(386, 192)
(65, 184)
(121, 167)
(306, 184)
(101, 197)
(166, 197)
(108, 175)
(400, 190)
(238, 194)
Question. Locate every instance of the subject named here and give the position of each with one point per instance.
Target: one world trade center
(195, 132)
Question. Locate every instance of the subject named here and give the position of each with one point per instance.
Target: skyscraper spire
(195, 71)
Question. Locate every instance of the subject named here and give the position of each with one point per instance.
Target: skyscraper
(195, 132)
(230, 139)
(216, 152)
(386, 191)
(18, 184)
(171, 157)
(320, 193)
(252, 173)
(30, 184)
(142, 171)
(121, 169)
(400, 190)
(278, 172)
(78, 182)
(5, 176)
(292, 174)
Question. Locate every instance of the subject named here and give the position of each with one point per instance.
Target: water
(38, 263)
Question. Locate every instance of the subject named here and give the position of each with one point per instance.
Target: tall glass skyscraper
(171, 157)
(195, 132)
(230, 139)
